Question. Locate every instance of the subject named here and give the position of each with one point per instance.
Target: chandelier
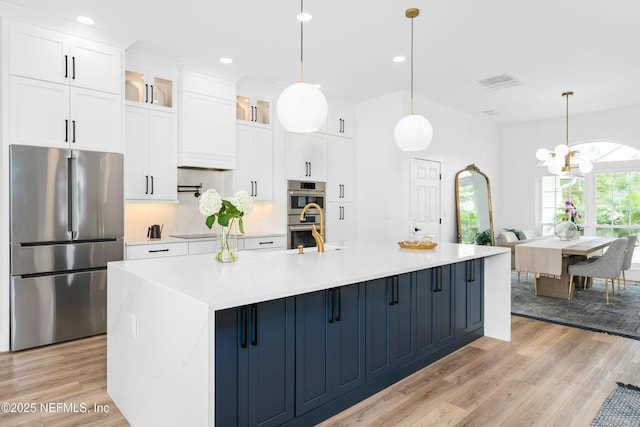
(559, 160)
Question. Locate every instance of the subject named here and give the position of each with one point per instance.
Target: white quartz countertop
(263, 276)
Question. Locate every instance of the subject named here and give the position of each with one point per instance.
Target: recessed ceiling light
(399, 59)
(226, 60)
(85, 20)
(304, 17)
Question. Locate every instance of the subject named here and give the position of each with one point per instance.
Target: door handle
(244, 327)
(392, 299)
(339, 299)
(73, 129)
(473, 271)
(66, 66)
(329, 296)
(151, 184)
(146, 188)
(397, 288)
(151, 251)
(151, 94)
(73, 67)
(66, 130)
(254, 324)
(256, 195)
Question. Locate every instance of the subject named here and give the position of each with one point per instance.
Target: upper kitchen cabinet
(64, 91)
(306, 156)
(54, 115)
(340, 169)
(149, 86)
(253, 105)
(207, 124)
(151, 141)
(254, 165)
(340, 120)
(55, 57)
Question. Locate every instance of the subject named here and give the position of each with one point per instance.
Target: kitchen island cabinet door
(329, 345)
(469, 302)
(265, 364)
(442, 305)
(390, 325)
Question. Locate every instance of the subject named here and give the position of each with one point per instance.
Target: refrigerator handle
(72, 197)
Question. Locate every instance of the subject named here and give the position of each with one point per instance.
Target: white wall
(517, 174)
(382, 170)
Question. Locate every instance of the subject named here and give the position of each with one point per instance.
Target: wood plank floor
(548, 375)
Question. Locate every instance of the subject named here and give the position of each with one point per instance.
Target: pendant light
(412, 132)
(302, 107)
(559, 160)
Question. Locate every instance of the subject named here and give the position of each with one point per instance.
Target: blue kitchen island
(280, 338)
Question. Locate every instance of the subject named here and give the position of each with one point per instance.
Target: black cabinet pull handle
(309, 168)
(73, 133)
(151, 184)
(329, 296)
(158, 250)
(473, 271)
(339, 304)
(391, 300)
(437, 279)
(397, 286)
(256, 195)
(146, 92)
(66, 66)
(66, 130)
(73, 67)
(151, 93)
(244, 327)
(146, 187)
(266, 243)
(254, 321)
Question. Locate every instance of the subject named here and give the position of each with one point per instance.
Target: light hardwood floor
(548, 375)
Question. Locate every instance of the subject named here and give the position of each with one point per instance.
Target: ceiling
(550, 46)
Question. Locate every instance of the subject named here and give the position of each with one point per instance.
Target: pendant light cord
(567, 121)
(301, 39)
(411, 65)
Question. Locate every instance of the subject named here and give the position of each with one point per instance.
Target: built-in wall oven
(299, 194)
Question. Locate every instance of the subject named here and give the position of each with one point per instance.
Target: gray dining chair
(628, 256)
(608, 266)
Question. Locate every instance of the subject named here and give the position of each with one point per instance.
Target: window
(555, 191)
(617, 203)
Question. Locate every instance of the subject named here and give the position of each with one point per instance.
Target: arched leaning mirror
(473, 207)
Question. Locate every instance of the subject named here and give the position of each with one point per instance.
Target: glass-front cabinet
(155, 90)
(253, 109)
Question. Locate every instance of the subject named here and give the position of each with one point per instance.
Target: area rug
(587, 310)
(621, 408)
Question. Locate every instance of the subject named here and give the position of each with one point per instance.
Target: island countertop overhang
(258, 277)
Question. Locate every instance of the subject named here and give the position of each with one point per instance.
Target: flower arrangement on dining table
(225, 211)
(571, 209)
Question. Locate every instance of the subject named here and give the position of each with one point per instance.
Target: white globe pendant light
(301, 107)
(413, 132)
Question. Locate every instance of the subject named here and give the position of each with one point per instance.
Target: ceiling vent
(502, 81)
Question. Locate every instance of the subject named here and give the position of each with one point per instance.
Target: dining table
(549, 259)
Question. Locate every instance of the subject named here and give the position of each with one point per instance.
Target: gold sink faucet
(318, 237)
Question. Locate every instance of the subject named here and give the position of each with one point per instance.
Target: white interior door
(425, 196)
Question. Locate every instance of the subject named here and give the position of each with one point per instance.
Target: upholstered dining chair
(608, 266)
(628, 255)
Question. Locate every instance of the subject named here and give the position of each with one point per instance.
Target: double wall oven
(299, 194)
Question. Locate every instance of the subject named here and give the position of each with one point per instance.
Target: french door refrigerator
(67, 222)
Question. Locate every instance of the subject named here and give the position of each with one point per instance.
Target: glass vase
(566, 230)
(227, 243)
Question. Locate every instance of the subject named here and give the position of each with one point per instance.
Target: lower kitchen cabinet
(299, 360)
(329, 345)
(469, 296)
(390, 324)
(254, 380)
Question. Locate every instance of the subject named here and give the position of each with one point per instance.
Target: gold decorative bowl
(417, 244)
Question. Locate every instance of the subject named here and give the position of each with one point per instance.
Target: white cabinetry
(340, 222)
(306, 156)
(157, 250)
(145, 86)
(254, 165)
(340, 167)
(207, 122)
(340, 120)
(253, 109)
(264, 243)
(64, 91)
(151, 155)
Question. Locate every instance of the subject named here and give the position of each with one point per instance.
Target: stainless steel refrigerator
(67, 222)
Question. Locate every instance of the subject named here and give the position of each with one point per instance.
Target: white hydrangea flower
(243, 202)
(210, 202)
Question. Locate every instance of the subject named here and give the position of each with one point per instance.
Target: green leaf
(211, 219)
(223, 219)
